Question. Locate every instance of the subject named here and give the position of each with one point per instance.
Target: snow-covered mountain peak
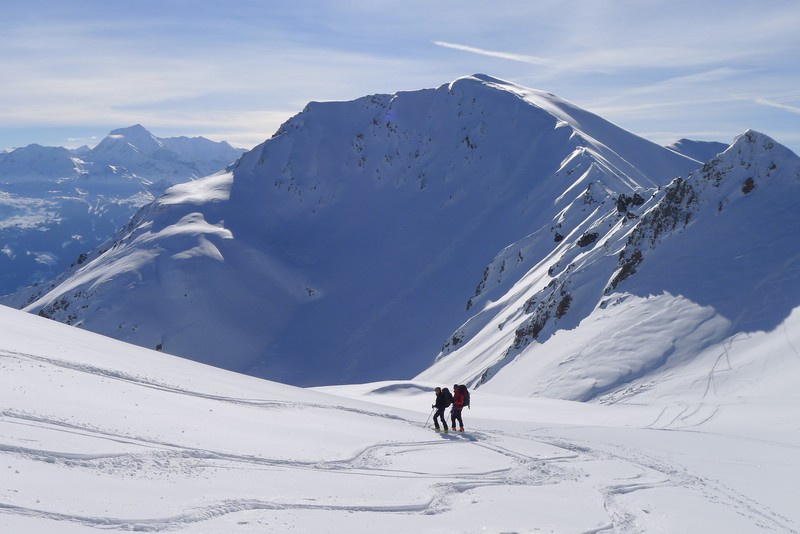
(757, 155)
(751, 179)
(316, 253)
(708, 259)
(594, 135)
(137, 136)
(472, 118)
(125, 143)
(752, 161)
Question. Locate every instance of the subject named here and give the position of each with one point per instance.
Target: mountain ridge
(388, 206)
(670, 254)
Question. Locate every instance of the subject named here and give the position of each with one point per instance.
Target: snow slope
(347, 247)
(97, 435)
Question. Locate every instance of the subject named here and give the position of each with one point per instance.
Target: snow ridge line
(146, 382)
(134, 379)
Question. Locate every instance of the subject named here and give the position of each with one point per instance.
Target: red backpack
(464, 393)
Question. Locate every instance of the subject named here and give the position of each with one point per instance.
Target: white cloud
(770, 103)
(534, 60)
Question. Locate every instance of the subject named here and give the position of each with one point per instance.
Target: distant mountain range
(534, 246)
(56, 203)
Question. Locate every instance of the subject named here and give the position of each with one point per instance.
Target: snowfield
(99, 435)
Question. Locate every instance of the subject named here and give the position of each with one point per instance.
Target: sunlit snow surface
(97, 435)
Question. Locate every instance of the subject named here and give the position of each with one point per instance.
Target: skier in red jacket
(460, 399)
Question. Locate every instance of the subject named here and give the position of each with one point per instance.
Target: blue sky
(73, 71)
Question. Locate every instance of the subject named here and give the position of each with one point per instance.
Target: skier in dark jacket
(459, 401)
(443, 399)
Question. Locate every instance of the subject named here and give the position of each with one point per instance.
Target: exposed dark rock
(587, 239)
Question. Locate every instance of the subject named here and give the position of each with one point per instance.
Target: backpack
(465, 393)
(447, 397)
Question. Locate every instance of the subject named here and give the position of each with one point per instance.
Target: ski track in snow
(657, 472)
(156, 459)
(529, 471)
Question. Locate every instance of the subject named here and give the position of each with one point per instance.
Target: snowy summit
(347, 247)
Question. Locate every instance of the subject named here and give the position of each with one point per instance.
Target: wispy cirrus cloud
(534, 60)
(779, 105)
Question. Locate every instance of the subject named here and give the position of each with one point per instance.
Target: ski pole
(429, 417)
